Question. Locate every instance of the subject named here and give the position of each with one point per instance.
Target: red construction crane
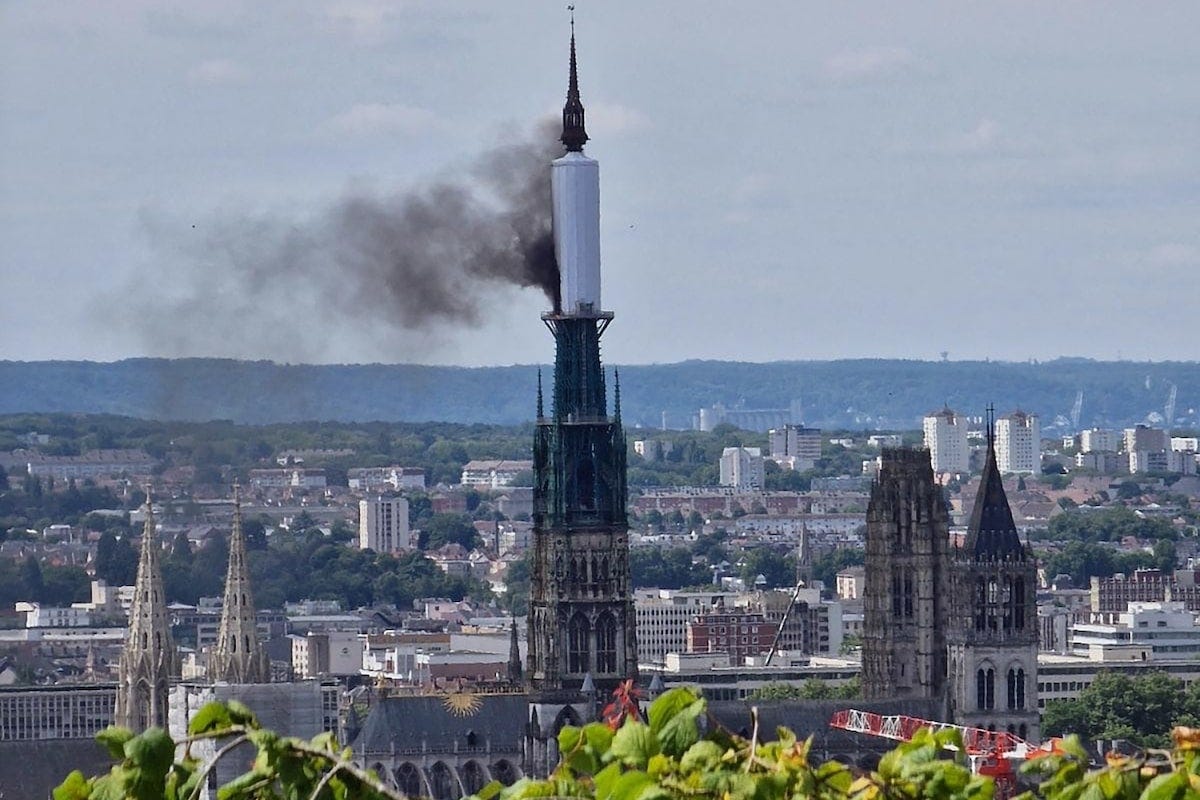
(991, 752)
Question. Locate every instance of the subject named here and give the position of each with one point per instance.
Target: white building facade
(383, 525)
(742, 467)
(1018, 443)
(946, 439)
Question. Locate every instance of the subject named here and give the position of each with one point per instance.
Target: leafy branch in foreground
(675, 752)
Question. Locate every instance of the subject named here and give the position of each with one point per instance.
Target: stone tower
(993, 633)
(904, 613)
(238, 656)
(581, 640)
(149, 660)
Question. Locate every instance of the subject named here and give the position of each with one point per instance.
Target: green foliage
(827, 565)
(1107, 525)
(1140, 709)
(670, 755)
(1083, 560)
(811, 689)
(665, 568)
(145, 767)
(779, 570)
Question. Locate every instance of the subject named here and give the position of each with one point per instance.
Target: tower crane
(990, 752)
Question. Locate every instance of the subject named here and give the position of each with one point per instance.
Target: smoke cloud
(391, 265)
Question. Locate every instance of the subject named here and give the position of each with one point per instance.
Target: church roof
(440, 722)
(991, 533)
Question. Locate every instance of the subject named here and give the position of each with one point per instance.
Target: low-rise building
(493, 474)
(740, 634)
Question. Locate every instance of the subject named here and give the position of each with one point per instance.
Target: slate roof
(405, 723)
(991, 533)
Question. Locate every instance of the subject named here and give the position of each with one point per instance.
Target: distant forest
(855, 394)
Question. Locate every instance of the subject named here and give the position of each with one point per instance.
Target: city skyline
(813, 179)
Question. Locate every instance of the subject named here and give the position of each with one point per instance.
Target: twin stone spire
(150, 660)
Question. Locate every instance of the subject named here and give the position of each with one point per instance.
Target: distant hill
(857, 394)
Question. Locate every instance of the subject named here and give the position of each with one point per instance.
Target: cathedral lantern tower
(581, 642)
(993, 634)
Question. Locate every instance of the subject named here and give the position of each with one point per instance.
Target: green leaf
(241, 715)
(1166, 787)
(213, 716)
(114, 739)
(668, 704)
(599, 737)
(152, 751)
(490, 790)
(701, 756)
(605, 780)
(680, 731)
(75, 787)
(631, 785)
(634, 744)
(568, 738)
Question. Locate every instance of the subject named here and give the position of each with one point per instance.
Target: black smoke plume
(401, 262)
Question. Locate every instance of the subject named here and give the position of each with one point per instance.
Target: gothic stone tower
(993, 635)
(581, 640)
(149, 660)
(904, 650)
(238, 656)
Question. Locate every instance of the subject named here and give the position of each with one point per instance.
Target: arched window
(985, 688)
(408, 780)
(442, 784)
(1006, 601)
(606, 644)
(473, 777)
(585, 477)
(505, 772)
(993, 591)
(980, 604)
(1020, 688)
(1023, 730)
(1019, 604)
(577, 645)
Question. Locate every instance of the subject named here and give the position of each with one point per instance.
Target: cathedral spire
(238, 656)
(515, 671)
(149, 660)
(992, 533)
(573, 135)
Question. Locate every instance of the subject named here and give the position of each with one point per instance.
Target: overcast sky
(779, 180)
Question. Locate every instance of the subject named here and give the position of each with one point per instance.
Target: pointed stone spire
(238, 656)
(992, 533)
(616, 394)
(149, 660)
(515, 671)
(573, 135)
(541, 411)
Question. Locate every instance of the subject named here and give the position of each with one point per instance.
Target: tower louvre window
(577, 655)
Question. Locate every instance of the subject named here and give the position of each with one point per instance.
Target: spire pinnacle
(515, 671)
(574, 136)
(541, 412)
(616, 394)
(238, 656)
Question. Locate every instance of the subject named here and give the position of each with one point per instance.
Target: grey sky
(779, 181)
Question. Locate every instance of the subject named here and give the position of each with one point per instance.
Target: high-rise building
(742, 467)
(383, 525)
(1097, 440)
(801, 446)
(149, 660)
(582, 641)
(993, 627)
(946, 440)
(1143, 437)
(904, 601)
(238, 655)
(1018, 443)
